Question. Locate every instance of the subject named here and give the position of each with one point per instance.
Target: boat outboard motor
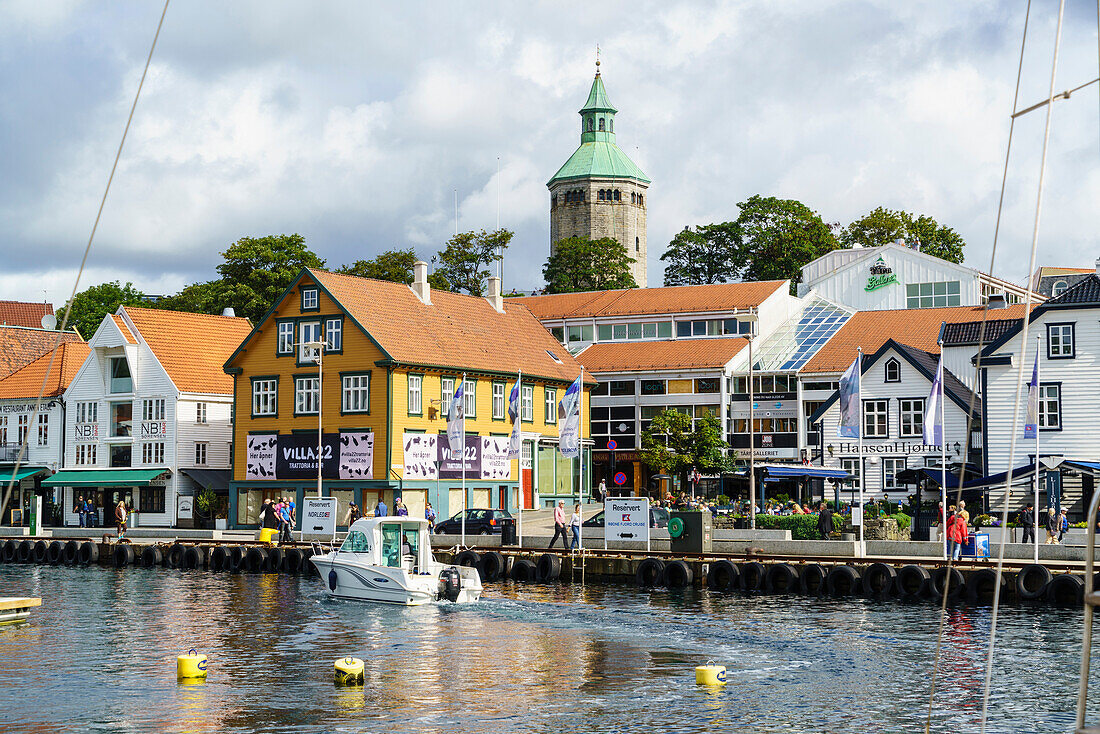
(450, 584)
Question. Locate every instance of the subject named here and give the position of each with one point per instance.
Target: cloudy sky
(354, 124)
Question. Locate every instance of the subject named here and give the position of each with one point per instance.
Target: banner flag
(569, 418)
(850, 409)
(515, 441)
(1031, 426)
(933, 427)
(456, 421)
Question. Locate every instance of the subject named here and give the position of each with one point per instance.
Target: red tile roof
(675, 354)
(19, 346)
(27, 381)
(916, 327)
(19, 313)
(455, 331)
(191, 347)
(645, 301)
(126, 333)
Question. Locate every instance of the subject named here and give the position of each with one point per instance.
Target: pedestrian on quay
(380, 510)
(120, 519)
(963, 513)
(268, 519)
(1052, 527)
(399, 508)
(79, 510)
(429, 515)
(575, 526)
(352, 514)
(825, 521)
(1063, 525)
(287, 525)
(956, 534)
(601, 491)
(559, 525)
(1027, 520)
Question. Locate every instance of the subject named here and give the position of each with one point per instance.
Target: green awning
(104, 478)
(6, 474)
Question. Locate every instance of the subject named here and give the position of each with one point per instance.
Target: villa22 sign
(881, 276)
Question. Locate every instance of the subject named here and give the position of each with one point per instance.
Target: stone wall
(622, 220)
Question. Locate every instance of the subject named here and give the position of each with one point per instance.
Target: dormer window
(120, 376)
(310, 299)
(1059, 287)
(893, 370)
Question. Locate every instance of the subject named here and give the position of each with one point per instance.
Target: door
(505, 502)
(111, 497)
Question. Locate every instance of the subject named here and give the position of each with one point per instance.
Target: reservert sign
(319, 516)
(626, 518)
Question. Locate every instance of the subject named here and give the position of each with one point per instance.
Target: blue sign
(620, 478)
(611, 445)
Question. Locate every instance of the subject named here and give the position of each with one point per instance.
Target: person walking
(956, 534)
(1063, 525)
(941, 527)
(825, 521)
(268, 519)
(380, 510)
(79, 510)
(601, 492)
(575, 526)
(429, 515)
(1027, 520)
(120, 519)
(1052, 527)
(352, 514)
(399, 508)
(559, 525)
(286, 525)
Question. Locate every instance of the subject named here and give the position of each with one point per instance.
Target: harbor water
(99, 656)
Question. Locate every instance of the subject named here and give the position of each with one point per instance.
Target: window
(306, 395)
(1050, 407)
(334, 335)
(580, 333)
(308, 331)
(120, 375)
(498, 401)
(120, 455)
(310, 299)
(286, 338)
(355, 394)
(416, 397)
(633, 198)
(264, 396)
(3, 431)
(652, 387)
(551, 405)
(558, 333)
(637, 244)
(601, 126)
(151, 499)
(891, 465)
(43, 429)
(85, 413)
(446, 393)
(1060, 341)
(911, 417)
(152, 409)
(200, 454)
(706, 385)
(1059, 287)
(875, 414)
(618, 195)
(527, 402)
(85, 454)
(599, 194)
(893, 370)
(152, 453)
(852, 467)
(122, 419)
(932, 295)
(619, 388)
(200, 412)
(469, 399)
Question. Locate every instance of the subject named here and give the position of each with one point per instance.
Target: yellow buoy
(710, 674)
(348, 672)
(191, 665)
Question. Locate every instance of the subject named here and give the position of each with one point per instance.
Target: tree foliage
(882, 226)
(90, 305)
(256, 271)
(582, 264)
(208, 297)
(704, 255)
(671, 446)
(464, 264)
(393, 265)
(775, 237)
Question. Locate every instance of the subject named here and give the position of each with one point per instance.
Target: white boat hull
(361, 582)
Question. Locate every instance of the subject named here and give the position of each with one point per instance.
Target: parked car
(478, 522)
(658, 518)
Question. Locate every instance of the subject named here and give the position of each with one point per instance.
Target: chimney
(420, 282)
(228, 312)
(495, 299)
(1098, 266)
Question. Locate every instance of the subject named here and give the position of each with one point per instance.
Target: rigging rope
(33, 419)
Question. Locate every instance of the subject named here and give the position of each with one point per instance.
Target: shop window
(707, 385)
(120, 455)
(653, 387)
(151, 499)
(618, 388)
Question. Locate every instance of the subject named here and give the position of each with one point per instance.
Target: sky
(356, 124)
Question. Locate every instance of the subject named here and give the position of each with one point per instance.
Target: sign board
(185, 507)
(319, 516)
(344, 455)
(626, 518)
(880, 275)
(428, 456)
(611, 445)
(620, 478)
(857, 516)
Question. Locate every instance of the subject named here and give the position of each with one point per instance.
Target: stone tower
(599, 192)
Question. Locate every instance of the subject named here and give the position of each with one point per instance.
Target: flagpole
(462, 457)
(1038, 412)
(580, 465)
(519, 459)
(943, 458)
(859, 402)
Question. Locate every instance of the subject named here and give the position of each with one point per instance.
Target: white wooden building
(148, 417)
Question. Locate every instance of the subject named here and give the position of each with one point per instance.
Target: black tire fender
(781, 578)
(274, 560)
(936, 580)
(548, 568)
(677, 575)
(753, 576)
(41, 551)
(467, 558)
(56, 552)
(236, 558)
(123, 555)
(911, 581)
(255, 560)
(89, 553)
(152, 556)
(523, 570)
(72, 552)
(723, 576)
(650, 572)
(812, 579)
(174, 557)
(219, 559)
(292, 561)
(26, 551)
(880, 580)
(490, 565)
(842, 580)
(1032, 581)
(1066, 589)
(194, 557)
(981, 585)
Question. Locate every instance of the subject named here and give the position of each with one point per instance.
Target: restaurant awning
(215, 479)
(7, 475)
(777, 472)
(104, 478)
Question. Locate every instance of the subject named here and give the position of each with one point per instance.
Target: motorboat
(389, 559)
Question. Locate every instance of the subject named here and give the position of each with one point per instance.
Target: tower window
(633, 198)
(611, 124)
(600, 195)
(639, 199)
(637, 244)
(589, 124)
(618, 195)
(601, 124)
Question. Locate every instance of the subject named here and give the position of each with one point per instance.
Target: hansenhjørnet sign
(881, 276)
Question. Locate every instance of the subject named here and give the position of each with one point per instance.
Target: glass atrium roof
(793, 344)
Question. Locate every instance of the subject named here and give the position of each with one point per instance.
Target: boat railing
(1092, 600)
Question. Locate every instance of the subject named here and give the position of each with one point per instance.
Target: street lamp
(752, 319)
(319, 346)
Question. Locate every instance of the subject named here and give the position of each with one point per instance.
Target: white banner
(357, 455)
(420, 450)
(495, 463)
(260, 456)
(626, 518)
(319, 516)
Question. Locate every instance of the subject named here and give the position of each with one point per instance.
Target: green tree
(883, 225)
(580, 264)
(208, 297)
(257, 270)
(393, 265)
(90, 305)
(707, 254)
(463, 265)
(776, 237)
(671, 446)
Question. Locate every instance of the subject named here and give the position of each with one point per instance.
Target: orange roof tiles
(191, 347)
(456, 331)
(27, 381)
(682, 354)
(20, 313)
(20, 346)
(915, 327)
(126, 333)
(644, 301)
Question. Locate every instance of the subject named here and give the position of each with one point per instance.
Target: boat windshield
(391, 545)
(356, 542)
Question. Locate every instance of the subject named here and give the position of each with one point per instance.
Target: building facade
(1051, 282)
(149, 416)
(599, 192)
(393, 359)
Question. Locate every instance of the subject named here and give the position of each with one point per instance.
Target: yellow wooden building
(394, 356)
